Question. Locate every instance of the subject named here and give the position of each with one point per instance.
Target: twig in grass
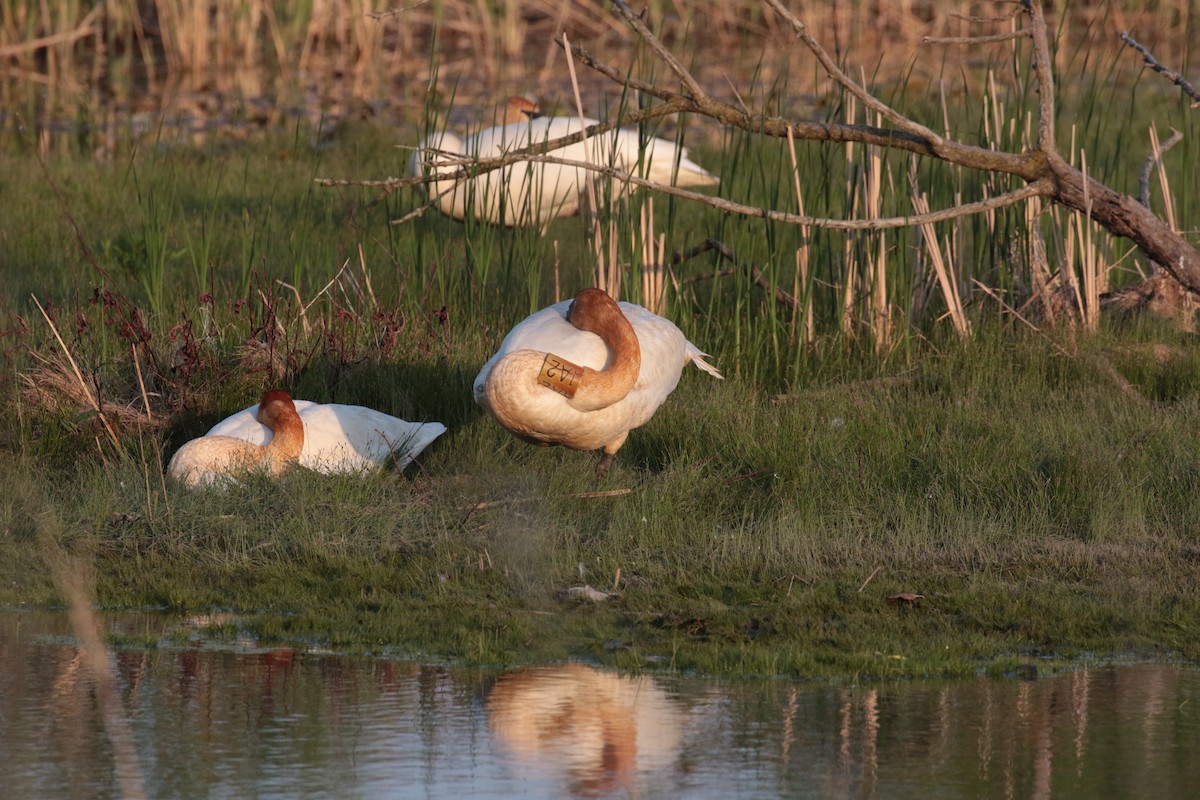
(1103, 365)
(585, 592)
(418, 212)
(482, 504)
(871, 577)
(304, 307)
(727, 253)
(79, 377)
(992, 294)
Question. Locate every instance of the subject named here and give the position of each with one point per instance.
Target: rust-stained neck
(277, 411)
(594, 311)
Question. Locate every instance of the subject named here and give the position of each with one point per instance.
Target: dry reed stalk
(800, 278)
(653, 259)
(603, 275)
(557, 283)
(352, 51)
(362, 265)
(870, 577)
(876, 261)
(137, 366)
(1167, 196)
(75, 584)
(610, 264)
(1080, 248)
(945, 276)
(850, 262)
(79, 377)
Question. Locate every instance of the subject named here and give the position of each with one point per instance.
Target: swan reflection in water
(603, 733)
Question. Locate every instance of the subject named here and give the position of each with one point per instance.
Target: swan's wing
(345, 438)
(656, 158)
(663, 342)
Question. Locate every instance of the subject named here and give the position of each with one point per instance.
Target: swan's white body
(341, 438)
(531, 193)
(508, 386)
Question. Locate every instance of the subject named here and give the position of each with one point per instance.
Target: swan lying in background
(216, 459)
(341, 438)
(534, 193)
(584, 372)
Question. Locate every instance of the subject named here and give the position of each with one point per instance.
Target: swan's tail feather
(696, 357)
(692, 174)
(421, 436)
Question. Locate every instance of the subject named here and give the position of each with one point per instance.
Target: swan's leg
(606, 460)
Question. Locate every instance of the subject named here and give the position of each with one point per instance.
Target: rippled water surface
(250, 722)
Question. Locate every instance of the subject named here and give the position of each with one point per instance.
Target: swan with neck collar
(216, 460)
(532, 194)
(585, 372)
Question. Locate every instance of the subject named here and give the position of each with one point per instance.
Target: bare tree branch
(465, 168)
(1154, 64)
(1043, 70)
(1120, 214)
(635, 22)
(1151, 160)
(834, 71)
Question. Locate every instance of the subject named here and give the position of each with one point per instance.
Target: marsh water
(245, 721)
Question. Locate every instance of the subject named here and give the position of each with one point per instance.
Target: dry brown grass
(349, 57)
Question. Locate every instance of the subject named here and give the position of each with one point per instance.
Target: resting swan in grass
(216, 459)
(341, 438)
(529, 193)
(584, 372)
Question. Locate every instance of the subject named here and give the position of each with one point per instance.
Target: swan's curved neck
(594, 311)
(277, 411)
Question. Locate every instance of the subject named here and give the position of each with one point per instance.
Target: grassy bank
(1036, 488)
(1038, 509)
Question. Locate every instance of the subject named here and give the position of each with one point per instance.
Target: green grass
(1039, 508)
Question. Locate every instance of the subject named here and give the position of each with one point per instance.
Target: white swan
(341, 438)
(216, 459)
(584, 372)
(530, 193)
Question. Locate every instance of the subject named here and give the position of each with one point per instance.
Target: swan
(214, 459)
(595, 730)
(584, 372)
(534, 193)
(341, 438)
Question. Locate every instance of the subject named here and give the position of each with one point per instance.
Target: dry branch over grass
(1047, 173)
